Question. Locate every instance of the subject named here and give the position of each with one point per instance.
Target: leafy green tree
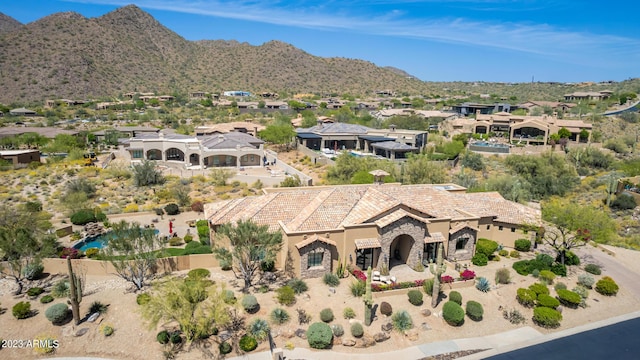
(291, 181)
(308, 119)
(472, 160)
(418, 169)
(574, 225)
(220, 176)
(63, 143)
(546, 175)
(278, 134)
(347, 166)
(510, 187)
(297, 105)
(146, 174)
(250, 246)
(564, 133)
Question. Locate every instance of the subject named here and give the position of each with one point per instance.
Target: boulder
(288, 334)
(332, 290)
(365, 341)
(425, 326)
(426, 312)
(388, 326)
(81, 332)
(381, 336)
(337, 340)
(348, 342)
(93, 317)
(301, 333)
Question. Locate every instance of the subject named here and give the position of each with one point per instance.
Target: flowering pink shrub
(446, 279)
(396, 285)
(69, 253)
(360, 275)
(467, 275)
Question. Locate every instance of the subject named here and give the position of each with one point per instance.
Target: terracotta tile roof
(395, 216)
(434, 238)
(312, 239)
(459, 226)
(371, 243)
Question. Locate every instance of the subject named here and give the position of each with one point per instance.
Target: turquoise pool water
(96, 242)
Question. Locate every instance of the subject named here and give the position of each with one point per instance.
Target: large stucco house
(372, 225)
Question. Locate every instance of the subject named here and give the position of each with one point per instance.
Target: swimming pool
(99, 241)
(489, 147)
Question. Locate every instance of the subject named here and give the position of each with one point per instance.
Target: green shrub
(348, 313)
(456, 297)
(92, 252)
(535, 273)
(175, 241)
(547, 301)
(326, 315)
(427, 286)
(250, 303)
(35, 291)
(33, 271)
(483, 284)
(586, 280)
(569, 298)
(522, 245)
(514, 254)
(503, 276)
(298, 285)
(286, 296)
(83, 217)
(559, 269)
(46, 299)
(143, 298)
(188, 238)
(480, 259)
(248, 343)
(358, 288)
(21, 310)
(546, 317)
(452, 313)
(172, 209)
(224, 348)
(402, 320)
(175, 337)
(503, 253)
(259, 329)
(57, 313)
(197, 274)
(486, 246)
(606, 286)
(163, 337)
(593, 269)
(357, 330)
(560, 286)
(331, 279)
(319, 335)
(107, 330)
(582, 291)
(337, 329)
(522, 267)
(98, 307)
(415, 297)
(474, 310)
(539, 288)
(547, 276)
(386, 309)
(494, 257)
(570, 259)
(229, 297)
(279, 316)
(544, 259)
(526, 297)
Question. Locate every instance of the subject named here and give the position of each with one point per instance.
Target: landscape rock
(288, 334)
(93, 317)
(337, 340)
(224, 335)
(412, 335)
(301, 333)
(426, 312)
(306, 296)
(388, 326)
(425, 326)
(81, 332)
(365, 341)
(348, 342)
(381, 336)
(332, 290)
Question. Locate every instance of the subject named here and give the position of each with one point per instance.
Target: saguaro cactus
(76, 286)
(612, 188)
(368, 300)
(437, 270)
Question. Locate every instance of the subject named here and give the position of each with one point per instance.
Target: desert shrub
(331, 279)
(357, 330)
(21, 310)
(486, 246)
(547, 301)
(494, 257)
(474, 310)
(483, 284)
(402, 321)
(319, 335)
(298, 285)
(46, 299)
(427, 286)
(175, 241)
(514, 316)
(515, 254)
(338, 330)
(452, 313)
(544, 259)
(279, 316)
(326, 315)
(35, 291)
(250, 303)
(606, 286)
(175, 337)
(286, 296)
(593, 269)
(547, 276)
(98, 307)
(303, 317)
(143, 298)
(172, 209)
(188, 238)
(358, 288)
(259, 329)
(225, 348)
(526, 297)
(348, 313)
(455, 297)
(197, 274)
(560, 286)
(570, 259)
(546, 317)
(522, 267)
(92, 252)
(229, 297)
(480, 259)
(107, 330)
(503, 253)
(582, 291)
(569, 298)
(535, 273)
(33, 271)
(624, 202)
(247, 343)
(539, 288)
(83, 217)
(415, 297)
(60, 289)
(57, 313)
(163, 337)
(385, 308)
(503, 276)
(586, 280)
(559, 269)
(522, 245)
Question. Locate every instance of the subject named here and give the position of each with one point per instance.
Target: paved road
(626, 278)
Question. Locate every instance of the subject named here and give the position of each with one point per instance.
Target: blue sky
(434, 40)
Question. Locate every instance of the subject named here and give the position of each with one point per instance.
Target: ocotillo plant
(76, 286)
(437, 269)
(368, 300)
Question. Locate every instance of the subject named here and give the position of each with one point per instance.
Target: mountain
(8, 24)
(66, 55)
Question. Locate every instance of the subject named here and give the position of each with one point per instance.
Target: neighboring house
(48, 132)
(388, 113)
(22, 112)
(68, 102)
(236, 93)
(558, 107)
(377, 225)
(223, 128)
(473, 108)
(20, 157)
(590, 95)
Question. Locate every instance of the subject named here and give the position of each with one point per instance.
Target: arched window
(314, 258)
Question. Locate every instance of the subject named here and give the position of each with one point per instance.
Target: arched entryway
(400, 250)
(174, 154)
(194, 159)
(154, 154)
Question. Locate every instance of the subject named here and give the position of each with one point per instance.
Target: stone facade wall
(316, 271)
(405, 226)
(467, 252)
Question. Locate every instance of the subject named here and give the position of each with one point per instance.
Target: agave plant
(259, 329)
(483, 284)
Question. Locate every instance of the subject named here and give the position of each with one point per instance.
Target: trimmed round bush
(560, 286)
(452, 313)
(57, 313)
(286, 296)
(348, 313)
(298, 285)
(547, 276)
(143, 298)
(250, 303)
(248, 343)
(46, 299)
(188, 238)
(319, 335)
(539, 288)
(33, 271)
(486, 247)
(172, 209)
(522, 245)
(593, 269)
(83, 217)
(606, 286)
(456, 297)
(229, 297)
(279, 316)
(35, 291)
(331, 279)
(515, 254)
(474, 310)
(526, 297)
(586, 280)
(326, 315)
(224, 348)
(415, 297)
(107, 330)
(21, 310)
(546, 317)
(402, 321)
(503, 253)
(480, 259)
(337, 329)
(385, 308)
(569, 298)
(548, 301)
(163, 337)
(357, 330)
(196, 274)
